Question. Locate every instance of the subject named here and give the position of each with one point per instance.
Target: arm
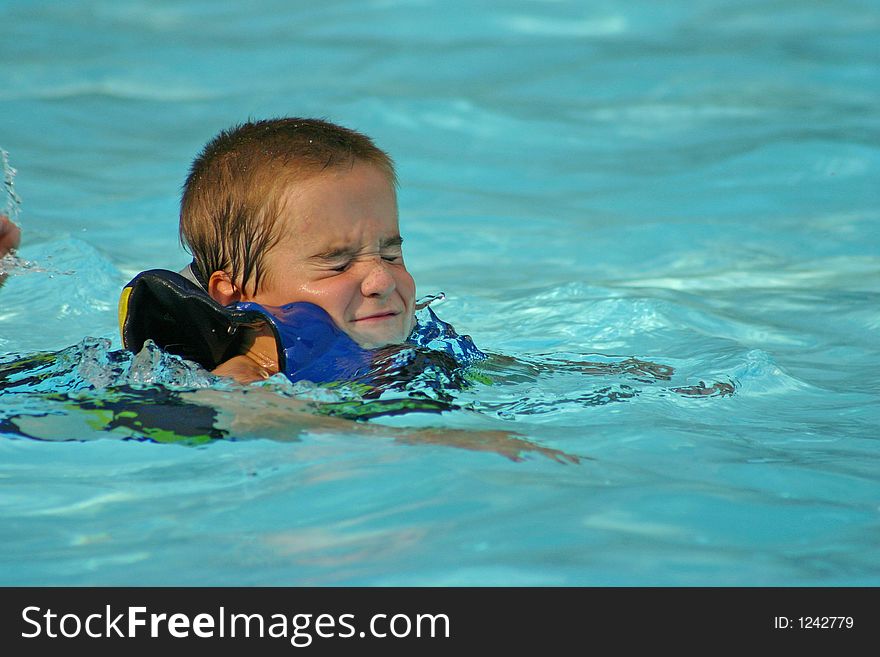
(270, 415)
(507, 369)
(202, 416)
(518, 368)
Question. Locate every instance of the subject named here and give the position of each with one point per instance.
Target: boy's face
(340, 249)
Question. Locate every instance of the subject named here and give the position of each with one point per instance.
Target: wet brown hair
(233, 196)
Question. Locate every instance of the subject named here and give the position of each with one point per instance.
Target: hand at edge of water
(10, 235)
(718, 389)
(510, 445)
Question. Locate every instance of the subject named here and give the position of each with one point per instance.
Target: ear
(222, 289)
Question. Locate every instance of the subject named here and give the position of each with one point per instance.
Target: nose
(377, 281)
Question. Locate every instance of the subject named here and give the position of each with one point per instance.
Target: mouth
(375, 317)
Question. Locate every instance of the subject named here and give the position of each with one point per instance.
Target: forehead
(340, 205)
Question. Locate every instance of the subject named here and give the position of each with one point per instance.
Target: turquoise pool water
(689, 183)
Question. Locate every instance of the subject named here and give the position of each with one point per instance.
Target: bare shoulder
(242, 369)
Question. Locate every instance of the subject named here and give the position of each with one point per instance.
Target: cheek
(333, 295)
(407, 287)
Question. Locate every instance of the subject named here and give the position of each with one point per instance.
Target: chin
(376, 342)
(383, 337)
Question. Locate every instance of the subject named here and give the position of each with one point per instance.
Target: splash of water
(92, 365)
(12, 206)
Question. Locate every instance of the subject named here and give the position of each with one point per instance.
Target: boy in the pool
(286, 210)
(302, 210)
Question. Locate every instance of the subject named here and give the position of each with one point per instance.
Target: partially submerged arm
(202, 416)
(270, 415)
(507, 369)
(640, 370)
